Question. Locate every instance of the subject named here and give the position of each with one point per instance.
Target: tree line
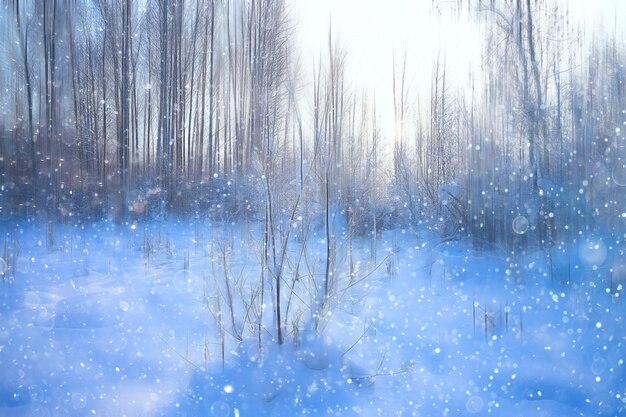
(129, 108)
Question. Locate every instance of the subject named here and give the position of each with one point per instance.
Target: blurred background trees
(129, 108)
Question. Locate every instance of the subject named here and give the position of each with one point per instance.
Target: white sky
(371, 31)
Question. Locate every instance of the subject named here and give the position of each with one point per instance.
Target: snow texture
(123, 320)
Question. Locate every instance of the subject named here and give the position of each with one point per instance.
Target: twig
(170, 347)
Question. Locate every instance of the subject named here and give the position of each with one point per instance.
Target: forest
(130, 128)
(137, 109)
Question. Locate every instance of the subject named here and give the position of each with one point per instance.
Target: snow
(114, 320)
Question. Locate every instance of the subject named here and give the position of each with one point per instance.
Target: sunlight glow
(373, 32)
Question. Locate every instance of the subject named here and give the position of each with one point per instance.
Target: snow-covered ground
(121, 320)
